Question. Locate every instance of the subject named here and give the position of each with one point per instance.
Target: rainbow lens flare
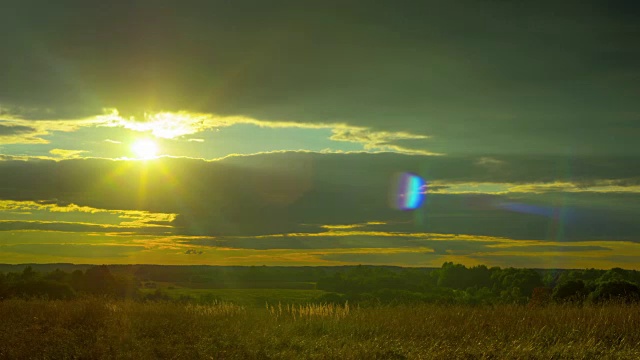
(407, 192)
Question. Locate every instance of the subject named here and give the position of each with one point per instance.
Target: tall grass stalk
(92, 328)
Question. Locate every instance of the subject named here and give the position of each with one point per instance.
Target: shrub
(570, 291)
(541, 296)
(617, 291)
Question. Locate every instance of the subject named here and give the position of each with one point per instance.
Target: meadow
(99, 328)
(243, 297)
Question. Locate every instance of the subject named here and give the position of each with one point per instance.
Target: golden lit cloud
(441, 187)
(342, 227)
(129, 218)
(67, 154)
(599, 186)
(34, 130)
(171, 125)
(162, 125)
(379, 140)
(175, 249)
(421, 235)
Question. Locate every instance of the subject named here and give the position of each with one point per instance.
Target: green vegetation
(97, 280)
(361, 285)
(244, 297)
(356, 312)
(457, 284)
(97, 328)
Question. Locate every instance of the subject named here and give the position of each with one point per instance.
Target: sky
(270, 133)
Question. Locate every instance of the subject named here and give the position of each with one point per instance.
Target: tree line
(458, 284)
(58, 284)
(449, 284)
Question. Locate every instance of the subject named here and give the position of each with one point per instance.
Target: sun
(144, 149)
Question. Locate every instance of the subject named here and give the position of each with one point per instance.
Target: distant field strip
(246, 297)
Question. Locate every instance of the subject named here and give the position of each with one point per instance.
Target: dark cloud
(439, 247)
(194, 252)
(498, 77)
(8, 130)
(406, 259)
(72, 250)
(370, 168)
(623, 260)
(299, 192)
(559, 261)
(311, 243)
(554, 248)
(469, 249)
(458, 247)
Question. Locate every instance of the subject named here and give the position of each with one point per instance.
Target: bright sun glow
(145, 149)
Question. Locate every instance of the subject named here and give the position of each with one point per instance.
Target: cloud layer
(520, 116)
(300, 192)
(475, 76)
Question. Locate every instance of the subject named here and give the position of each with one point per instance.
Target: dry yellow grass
(309, 311)
(99, 329)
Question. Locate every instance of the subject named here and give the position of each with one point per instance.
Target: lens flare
(407, 192)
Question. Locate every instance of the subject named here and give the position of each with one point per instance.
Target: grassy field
(299, 285)
(98, 329)
(245, 297)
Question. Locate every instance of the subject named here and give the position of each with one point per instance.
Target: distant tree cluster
(597, 286)
(97, 280)
(458, 284)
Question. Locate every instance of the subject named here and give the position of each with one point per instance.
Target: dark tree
(616, 290)
(570, 291)
(29, 274)
(98, 280)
